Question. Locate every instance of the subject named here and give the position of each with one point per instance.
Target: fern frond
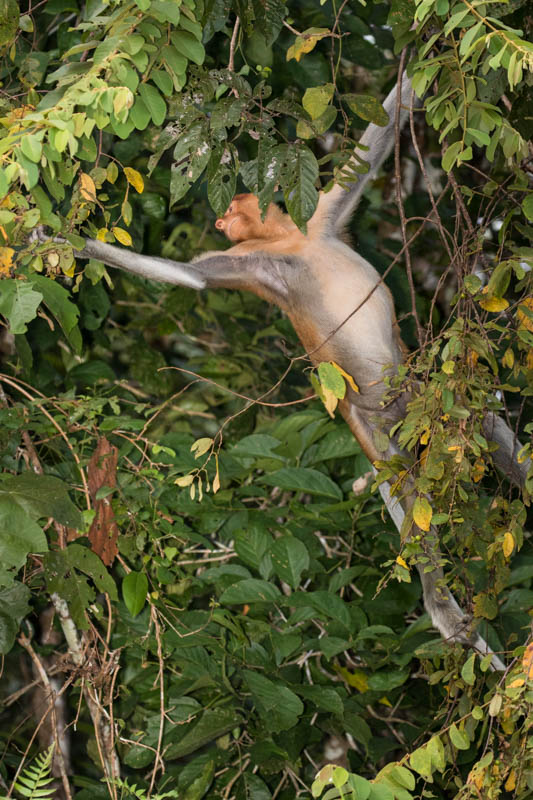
(34, 781)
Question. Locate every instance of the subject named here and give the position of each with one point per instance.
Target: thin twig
(52, 697)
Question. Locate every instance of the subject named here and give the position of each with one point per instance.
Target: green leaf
(85, 560)
(385, 680)
(4, 184)
(139, 114)
(468, 673)
(19, 303)
(451, 155)
(221, 178)
(435, 749)
(276, 703)
(322, 697)
(380, 791)
(153, 102)
(302, 479)
(251, 590)
(251, 545)
(367, 107)
(19, 535)
(404, 777)
(455, 20)
(166, 10)
(330, 605)
(420, 761)
(289, 559)
(254, 787)
(298, 180)
(212, 724)
(527, 206)
(459, 738)
(188, 45)
(14, 606)
(331, 379)
(176, 61)
(9, 20)
(57, 300)
(31, 147)
(317, 98)
(480, 137)
(8, 626)
(361, 786)
(163, 81)
(197, 788)
(41, 496)
(134, 589)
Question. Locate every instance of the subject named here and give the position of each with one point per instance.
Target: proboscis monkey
(342, 312)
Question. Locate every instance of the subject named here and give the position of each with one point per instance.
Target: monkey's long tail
(446, 614)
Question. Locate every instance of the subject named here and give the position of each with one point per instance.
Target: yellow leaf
(422, 513)
(508, 358)
(508, 544)
(112, 172)
(6, 259)
(122, 236)
(185, 480)
(87, 187)
(494, 304)
(385, 701)
(306, 42)
(135, 178)
(402, 562)
(216, 483)
(448, 367)
(357, 678)
(348, 378)
(478, 776)
(510, 783)
(516, 683)
(201, 446)
(472, 358)
(330, 401)
(101, 235)
(529, 359)
(478, 470)
(527, 661)
(424, 438)
(526, 321)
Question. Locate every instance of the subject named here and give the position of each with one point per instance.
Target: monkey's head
(242, 221)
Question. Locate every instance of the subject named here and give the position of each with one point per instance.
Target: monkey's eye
(230, 209)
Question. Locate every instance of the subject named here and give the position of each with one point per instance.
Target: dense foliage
(196, 598)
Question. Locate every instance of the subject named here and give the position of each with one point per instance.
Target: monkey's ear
(219, 224)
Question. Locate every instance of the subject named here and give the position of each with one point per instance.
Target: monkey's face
(242, 220)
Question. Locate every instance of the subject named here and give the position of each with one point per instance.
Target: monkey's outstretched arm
(336, 206)
(256, 272)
